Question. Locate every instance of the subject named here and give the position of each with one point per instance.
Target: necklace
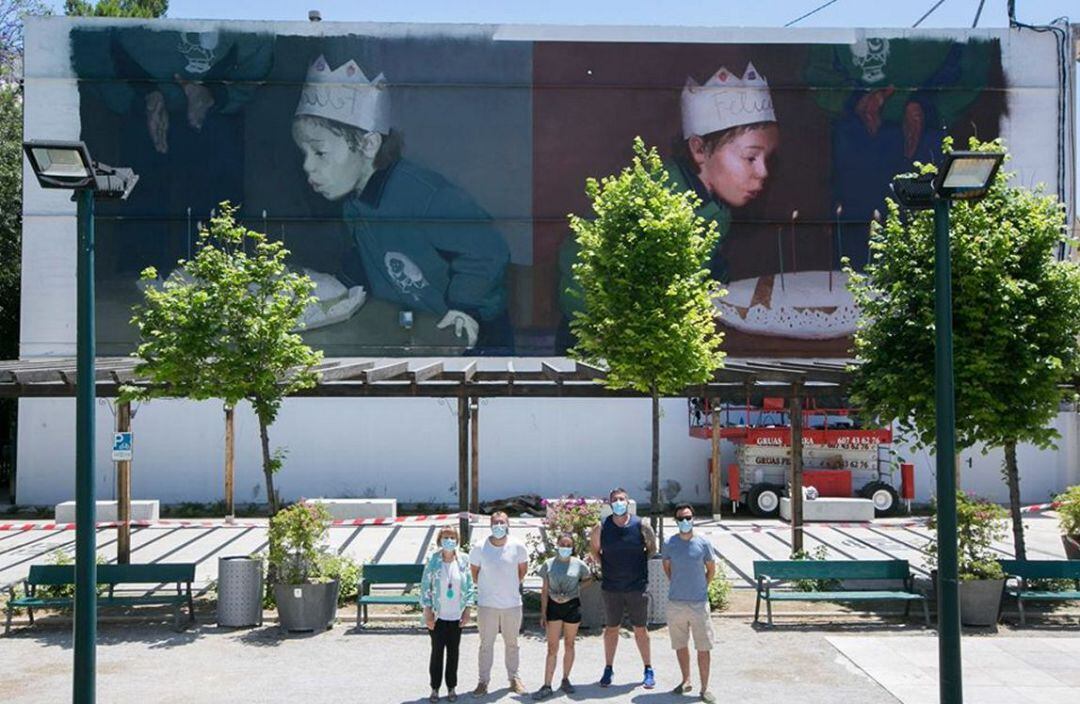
(449, 581)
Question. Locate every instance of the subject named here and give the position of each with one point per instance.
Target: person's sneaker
(609, 673)
(567, 687)
(542, 693)
(451, 696)
(481, 690)
(649, 680)
(683, 688)
(517, 686)
(708, 697)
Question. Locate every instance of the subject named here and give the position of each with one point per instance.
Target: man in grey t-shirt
(689, 564)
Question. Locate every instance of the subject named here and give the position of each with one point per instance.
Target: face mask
(565, 552)
(499, 530)
(618, 507)
(685, 525)
(449, 544)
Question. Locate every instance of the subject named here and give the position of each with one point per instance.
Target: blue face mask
(685, 525)
(499, 530)
(564, 553)
(449, 544)
(618, 507)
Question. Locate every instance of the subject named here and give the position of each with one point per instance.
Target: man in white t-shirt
(498, 568)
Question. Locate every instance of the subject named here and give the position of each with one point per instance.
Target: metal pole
(948, 597)
(463, 465)
(796, 470)
(123, 489)
(714, 457)
(85, 621)
(474, 446)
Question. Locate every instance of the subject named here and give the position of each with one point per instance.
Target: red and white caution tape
(167, 523)
(1037, 508)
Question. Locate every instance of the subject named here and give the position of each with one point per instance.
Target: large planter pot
(306, 607)
(592, 606)
(1072, 546)
(980, 601)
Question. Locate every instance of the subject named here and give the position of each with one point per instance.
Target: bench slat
(842, 596)
(1047, 596)
(832, 569)
(1042, 569)
(56, 575)
(390, 599)
(392, 573)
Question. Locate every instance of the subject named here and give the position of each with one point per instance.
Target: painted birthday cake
(809, 305)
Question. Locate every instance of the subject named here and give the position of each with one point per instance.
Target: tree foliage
(1015, 325)
(146, 9)
(221, 326)
(647, 291)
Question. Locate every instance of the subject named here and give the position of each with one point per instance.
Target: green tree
(147, 9)
(221, 326)
(646, 288)
(1014, 322)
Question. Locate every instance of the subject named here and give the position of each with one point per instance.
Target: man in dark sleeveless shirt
(623, 544)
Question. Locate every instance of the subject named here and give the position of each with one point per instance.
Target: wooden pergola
(469, 379)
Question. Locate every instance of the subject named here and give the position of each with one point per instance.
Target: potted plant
(302, 572)
(575, 516)
(1069, 518)
(982, 581)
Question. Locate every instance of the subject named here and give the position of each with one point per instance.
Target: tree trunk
(1012, 478)
(268, 466)
(654, 498)
(123, 490)
(229, 454)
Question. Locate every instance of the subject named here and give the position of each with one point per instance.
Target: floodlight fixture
(967, 175)
(67, 165)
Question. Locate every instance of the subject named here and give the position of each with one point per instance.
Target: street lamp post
(68, 165)
(963, 176)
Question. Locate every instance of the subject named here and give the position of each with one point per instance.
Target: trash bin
(240, 589)
(657, 592)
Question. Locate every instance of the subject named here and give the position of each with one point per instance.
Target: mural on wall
(423, 180)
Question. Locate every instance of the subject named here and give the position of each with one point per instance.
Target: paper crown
(345, 95)
(725, 101)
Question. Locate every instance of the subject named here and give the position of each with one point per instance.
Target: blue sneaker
(650, 679)
(605, 681)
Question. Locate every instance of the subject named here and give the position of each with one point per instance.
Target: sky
(759, 13)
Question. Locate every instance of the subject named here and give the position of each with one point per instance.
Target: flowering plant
(978, 524)
(569, 514)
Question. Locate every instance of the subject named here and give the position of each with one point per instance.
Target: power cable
(928, 13)
(816, 10)
(978, 13)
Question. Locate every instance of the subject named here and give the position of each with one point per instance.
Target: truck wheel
(886, 499)
(764, 500)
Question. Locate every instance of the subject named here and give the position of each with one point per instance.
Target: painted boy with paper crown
(730, 134)
(418, 240)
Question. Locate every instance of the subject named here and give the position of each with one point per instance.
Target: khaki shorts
(684, 618)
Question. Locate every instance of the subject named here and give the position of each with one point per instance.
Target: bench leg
(907, 610)
(768, 611)
(1020, 608)
(7, 622)
(757, 607)
(30, 614)
(926, 612)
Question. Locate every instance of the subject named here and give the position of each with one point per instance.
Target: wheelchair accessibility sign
(121, 447)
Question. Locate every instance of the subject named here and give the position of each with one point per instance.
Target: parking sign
(121, 447)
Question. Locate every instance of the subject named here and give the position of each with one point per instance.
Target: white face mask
(499, 530)
(618, 507)
(685, 524)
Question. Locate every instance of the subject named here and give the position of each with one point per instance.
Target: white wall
(407, 449)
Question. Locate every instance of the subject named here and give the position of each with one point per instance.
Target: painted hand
(157, 121)
(463, 323)
(869, 107)
(914, 120)
(199, 102)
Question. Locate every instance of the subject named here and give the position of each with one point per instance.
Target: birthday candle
(794, 261)
(839, 254)
(780, 251)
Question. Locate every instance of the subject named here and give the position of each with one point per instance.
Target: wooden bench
(1024, 570)
(403, 574)
(112, 576)
(771, 573)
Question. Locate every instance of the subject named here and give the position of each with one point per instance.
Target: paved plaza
(810, 657)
